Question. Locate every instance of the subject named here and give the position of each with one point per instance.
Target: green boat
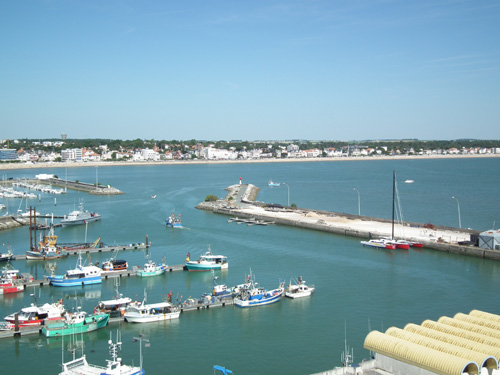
(73, 323)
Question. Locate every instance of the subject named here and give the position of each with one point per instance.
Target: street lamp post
(459, 219)
(359, 202)
(284, 183)
(141, 339)
(96, 179)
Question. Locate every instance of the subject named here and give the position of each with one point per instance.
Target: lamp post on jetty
(359, 202)
(284, 183)
(459, 220)
(96, 179)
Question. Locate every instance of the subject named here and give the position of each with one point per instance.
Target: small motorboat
(114, 265)
(409, 181)
(173, 221)
(299, 289)
(380, 243)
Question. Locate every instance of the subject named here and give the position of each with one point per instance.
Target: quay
(240, 202)
(95, 189)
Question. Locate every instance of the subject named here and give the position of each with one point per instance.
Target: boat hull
(274, 296)
(8, 289)
(143, 273)
(149, 318)
(195, 266)
(90, 323)
(380, 245)
(68, 223)
(61, 281)
(36, 255)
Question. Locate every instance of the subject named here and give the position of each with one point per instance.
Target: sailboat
(389, 243)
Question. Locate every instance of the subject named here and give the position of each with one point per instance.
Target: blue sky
(250, 70)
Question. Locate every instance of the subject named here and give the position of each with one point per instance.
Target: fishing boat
(299, 289)
(79, 276)
(114, 265)
(255, 295)
(116, 306)
(152, 269)
(206, 262)
(80, 216)
(141, 312)
(79, 366)
(275, 184)
(173, 221)
(75, 323)
(36, 315)
(4, 257)
(47, 247)
(10, 281)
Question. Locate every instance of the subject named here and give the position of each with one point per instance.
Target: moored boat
(80, 216)
(206, 262)
(141, 312)
(299, 289)
(79, 276)
(35, 315)
(10, 280)
(75, 323)
(380, 243)
(258, 296)
(4, 257)
(114, 265)
(116, 306)
(79, 366)
(152, 269)
(47, 248)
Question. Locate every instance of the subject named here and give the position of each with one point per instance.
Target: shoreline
(13, 166)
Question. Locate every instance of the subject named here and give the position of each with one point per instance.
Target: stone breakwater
(240, 202)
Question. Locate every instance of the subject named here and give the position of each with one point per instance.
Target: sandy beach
(11, 166)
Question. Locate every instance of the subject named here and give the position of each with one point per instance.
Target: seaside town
(81, 151)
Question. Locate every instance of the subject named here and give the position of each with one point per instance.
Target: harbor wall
(222, 207)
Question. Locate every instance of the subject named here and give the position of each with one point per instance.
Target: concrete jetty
(240, 202)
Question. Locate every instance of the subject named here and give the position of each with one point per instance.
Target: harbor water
(358, 289)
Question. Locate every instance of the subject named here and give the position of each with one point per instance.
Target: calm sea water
(358, 289)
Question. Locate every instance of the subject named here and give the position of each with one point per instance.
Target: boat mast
(393, 192)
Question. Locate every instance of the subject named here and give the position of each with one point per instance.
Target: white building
(72, 154)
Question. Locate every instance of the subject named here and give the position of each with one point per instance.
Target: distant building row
(212, 153)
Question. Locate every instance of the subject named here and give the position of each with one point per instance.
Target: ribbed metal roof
(418, 355)
(450, 346)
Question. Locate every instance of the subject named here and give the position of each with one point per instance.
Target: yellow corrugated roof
(418, 355)
(450, 346)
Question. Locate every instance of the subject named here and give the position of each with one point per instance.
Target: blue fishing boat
(254, 295)
(80, 276)
(173, 221)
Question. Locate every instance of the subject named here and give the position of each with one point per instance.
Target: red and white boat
(380, 243)
(35, 315)
(10, 282)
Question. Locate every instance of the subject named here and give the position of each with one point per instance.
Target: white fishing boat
(7, 256)
(79, 366)
(35, 315)
(152, 268)
(258, 296)
(207, 262)
(80, 216)
(299, 289)
(141, 312)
